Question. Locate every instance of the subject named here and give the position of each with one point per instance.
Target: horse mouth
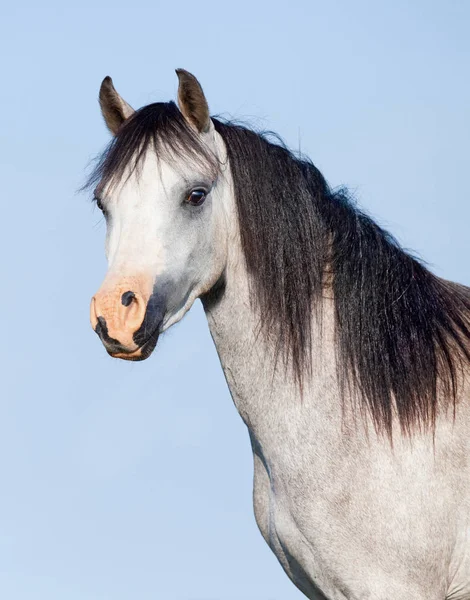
(117, 350)
(142, 352)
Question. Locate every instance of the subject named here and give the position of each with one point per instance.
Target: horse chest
(327, 560)
(285, 539)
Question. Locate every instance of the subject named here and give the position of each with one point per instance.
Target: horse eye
(99, 204)
(197, 197)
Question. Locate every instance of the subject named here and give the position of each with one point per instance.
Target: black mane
(401, 332)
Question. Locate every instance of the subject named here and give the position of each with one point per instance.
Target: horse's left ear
(192, 102)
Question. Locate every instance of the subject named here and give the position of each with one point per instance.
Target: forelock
(159, 127)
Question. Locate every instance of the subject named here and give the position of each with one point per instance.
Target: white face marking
(153, 232)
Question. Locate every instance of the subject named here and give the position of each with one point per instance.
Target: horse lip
(143, 351)
(140, 353)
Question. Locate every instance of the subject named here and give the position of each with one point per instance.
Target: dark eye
(197, 197)
(99, 204)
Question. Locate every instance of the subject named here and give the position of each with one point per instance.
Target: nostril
(101, 327)
(127, 298)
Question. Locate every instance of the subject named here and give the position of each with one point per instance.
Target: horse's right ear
(115, 110)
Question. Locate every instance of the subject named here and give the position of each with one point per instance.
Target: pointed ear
(115, 110)
(192, 102)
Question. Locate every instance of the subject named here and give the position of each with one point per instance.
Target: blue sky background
(121, 481)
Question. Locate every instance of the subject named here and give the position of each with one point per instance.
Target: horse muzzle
(127, 316)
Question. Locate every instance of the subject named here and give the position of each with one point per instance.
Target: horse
(346, 358)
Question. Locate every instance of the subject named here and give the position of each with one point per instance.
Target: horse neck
(265, 392)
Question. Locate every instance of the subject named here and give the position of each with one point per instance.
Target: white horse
(345, 357)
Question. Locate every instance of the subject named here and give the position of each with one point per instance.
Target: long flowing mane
(402, 334)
